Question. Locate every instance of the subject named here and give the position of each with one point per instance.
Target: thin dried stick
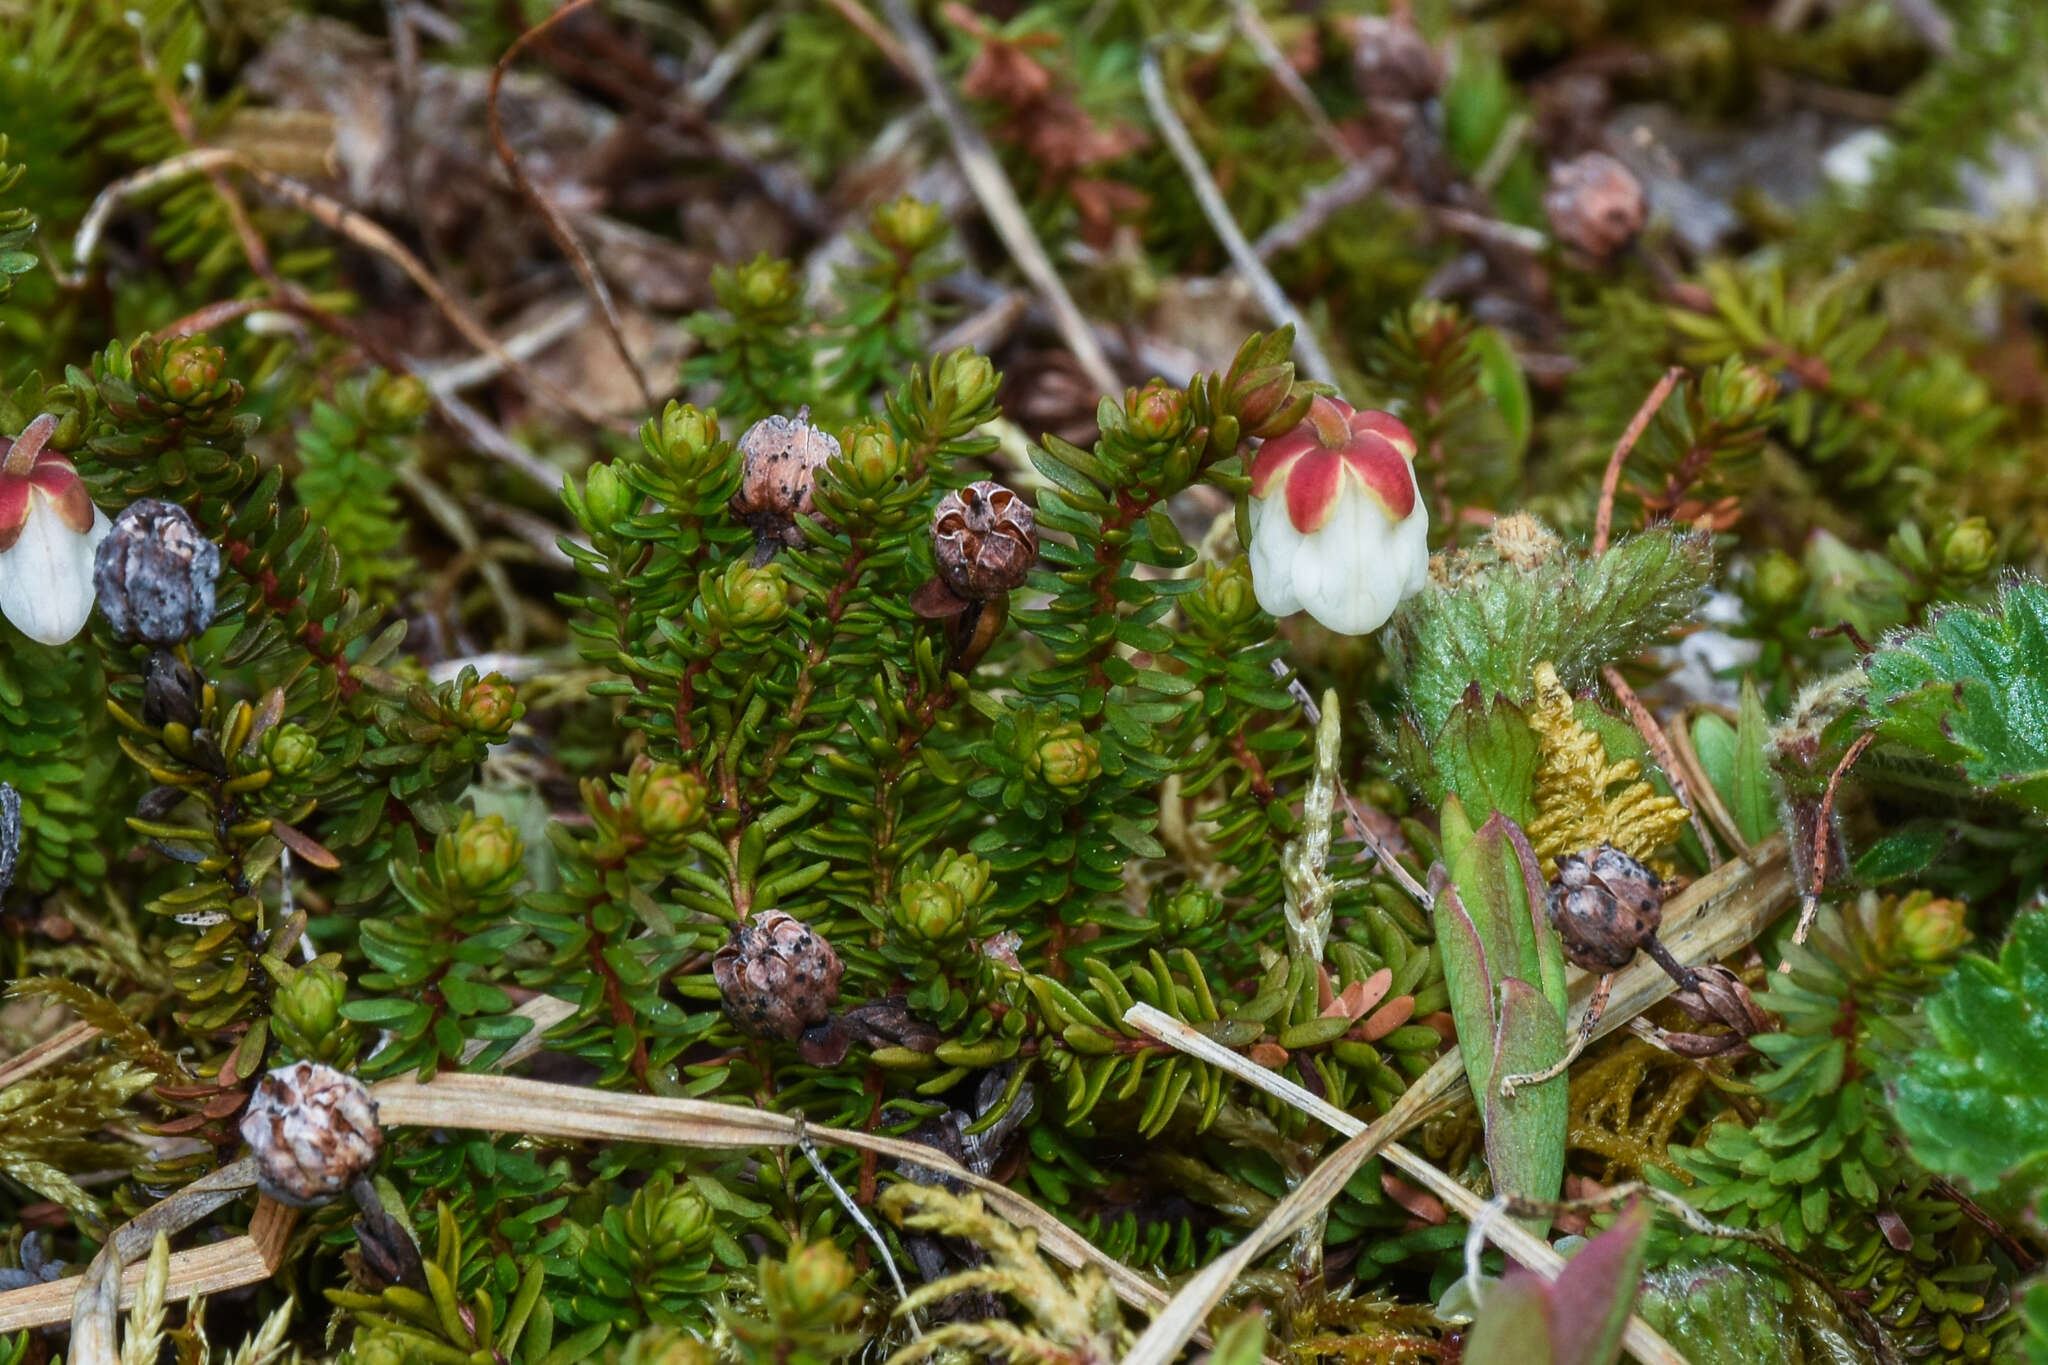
(856, 14)
(998, 200)
(1823, 830)
(1355, 182)
(1275, 61)
(1660, 749)
(1610, 482)
(558, 227)
(1525, 1246)
(859, 1217)
(1709, 799)
(1272, 298)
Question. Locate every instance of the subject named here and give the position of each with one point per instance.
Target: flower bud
(290, 750)
(607, 498)
(308, 1004)
(665, 800)
(1338, 525)
(155, 574)
(782, 456)
(968, 377)
(182, 372)
(488, 854)
(908, 225)
(1780, 582)
(1969, 549)
(777, 976)
(1066, 759)
(765, 287)
(683, 439)
(985, 539)
(659, 1345)
(399, 400)
(313, 1130)
(1189, 910)
(1392, 62)
(1260, 398)
(1738, 393)
(490, 705)
(874, 463)
(1158, 412)
(817, 1277)
(930, 910)
(965, 873)
(49, 532)
(1226, 595)
(1595, 204)
(748, 597)
(1931, 928)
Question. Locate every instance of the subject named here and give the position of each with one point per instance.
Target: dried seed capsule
(985, 538)
(777, 976)
(781, 456)
(1595, 204)
(155, 573)
(1605, 906)
(313, 1130)
(1394, 62)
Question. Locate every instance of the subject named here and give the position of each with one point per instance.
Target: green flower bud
(658, 1345)
(399, 400)
(1066, 759)
(1780, 582)
(490, 705)
(290, 750)
(970, 378)
(1738, 394)
(606, 497)
(874, 463)
(184, 371)
(1260, 396)
(965, 873)
(667, 1221)
(908, 225)
(665, 800)
(684, 436)
(488, 853)
(764, 287)
(929, 910)
(748, 597)
(1158, 414)
(1226, 595)
(1969, 549)
(1189, 910)
(1932, 929)
(816, 1279)
(309, 1003)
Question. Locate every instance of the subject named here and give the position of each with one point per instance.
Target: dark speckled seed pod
(777, 976)
(312, 1130)
(985, 539)
(781, 457)
(1605, 906)
(155, 574)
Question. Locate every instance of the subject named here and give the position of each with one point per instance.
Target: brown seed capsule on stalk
(985, 539)
(1605, 906)
(1595, 204)
(155, 573)
(781, 457)
(313, 1130)
(777, 976)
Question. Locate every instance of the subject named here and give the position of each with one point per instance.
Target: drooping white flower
(1338, 525)
(49, 530)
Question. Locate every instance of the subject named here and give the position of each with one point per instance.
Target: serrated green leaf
(1973, 1105)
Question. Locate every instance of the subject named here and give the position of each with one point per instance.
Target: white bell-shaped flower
(1338, 525)
(49, 531)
